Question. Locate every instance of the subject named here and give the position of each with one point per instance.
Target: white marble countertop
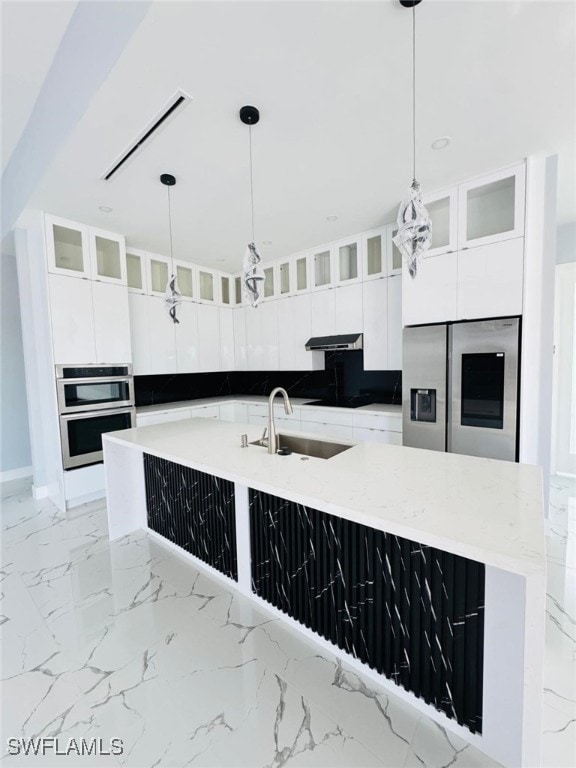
(484, 509)
(382, 408)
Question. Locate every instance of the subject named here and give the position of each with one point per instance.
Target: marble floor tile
(126, 639)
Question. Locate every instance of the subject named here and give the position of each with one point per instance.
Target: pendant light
(414, 226)
(252, 272)
(172, 297)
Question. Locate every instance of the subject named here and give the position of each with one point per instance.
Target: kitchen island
(426, 569)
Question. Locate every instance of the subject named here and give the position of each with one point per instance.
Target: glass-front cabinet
(442, 208)
(491, 208)
(322, 268)
(301, 280)
(269, 282)
(374, 253)
(394, 257)
(67, 247)
(207, 285)
(348, 261)
(284, 278)
(185, 279)
(136, 273)
(225, 290)
(237, 290)
(108, 254)
(158, 274)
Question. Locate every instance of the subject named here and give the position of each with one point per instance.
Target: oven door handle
(95, 380)
(97, 414)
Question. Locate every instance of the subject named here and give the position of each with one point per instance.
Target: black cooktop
(347, 402)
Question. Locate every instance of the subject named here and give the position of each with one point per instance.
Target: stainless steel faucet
(272, 436)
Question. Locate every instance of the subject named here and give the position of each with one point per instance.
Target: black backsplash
(344, 376)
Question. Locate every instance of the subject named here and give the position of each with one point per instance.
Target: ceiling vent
(174, 106)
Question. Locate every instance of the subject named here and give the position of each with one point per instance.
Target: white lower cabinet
(376, 324)
(111, 322)
(430, 297)
(348, 306)
(208, 338)
(490, 280)
(322, 429)
(139, 333)
(162, 337)
(377, 436)
(187, 346)
(228, 412)
(72, 320)
(205, 412)
(227, 358)
(162, 417)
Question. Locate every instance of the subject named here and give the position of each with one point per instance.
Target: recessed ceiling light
(441, 143)
(331, 218)
(266, 242)
(105, 208)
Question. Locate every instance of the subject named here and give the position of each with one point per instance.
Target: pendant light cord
(251, 182)
(414, 89)
(170, 228)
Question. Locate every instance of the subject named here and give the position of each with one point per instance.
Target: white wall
(14, 431)
(566, 243)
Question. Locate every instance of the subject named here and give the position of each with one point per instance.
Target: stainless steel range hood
(333, 343)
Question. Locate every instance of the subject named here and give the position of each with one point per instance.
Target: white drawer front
(227, 412)
(257, 419)
(377, 436)
(205, 412)
(324, 416)
(337, 431)
(240, 412)
(145, 419)
(257, 410)
(390, 422)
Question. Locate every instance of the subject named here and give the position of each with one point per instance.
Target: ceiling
(27, 52)
(333, 84)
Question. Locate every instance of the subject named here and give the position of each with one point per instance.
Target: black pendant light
(172, 297)
(252, 272)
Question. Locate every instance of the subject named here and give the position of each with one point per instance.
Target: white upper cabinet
(270, 344)
(374, 254)
(302, 319)
(269, 282)
(237, 298)
(322, 262)
(442, 208)
(72, 320)
(162, 338)
(491, 208)
(323, 313)
(209, 338)
(136, 271)
(226, 290)
(254, 340)
(158, 274)
(348, 261)
(240, 350)
(286, 336)
(301, 273)
(394, 362)
(108, 255)
(185, 279)
(111, 323)
(140, 333)
(394, 257)
(285, 278)
(187, 345)
(430, 297)
(348, 308)
(490, 280)
(67, 247)
(207, 285)
(226, 320)
(375, 294)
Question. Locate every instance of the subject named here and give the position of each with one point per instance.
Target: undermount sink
(308, 446)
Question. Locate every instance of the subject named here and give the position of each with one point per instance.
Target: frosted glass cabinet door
(158, 273)
(394, 266)
(492, 208)
(301, 276)
(185, 280)
(108, 255)
(322, 269)
(442, 208)
(374, 246)
(207, 280)
(67, 247)
(136, 271)
(348, 262)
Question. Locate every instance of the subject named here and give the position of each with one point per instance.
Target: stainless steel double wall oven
(92, 399)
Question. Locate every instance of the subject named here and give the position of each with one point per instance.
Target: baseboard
(15, 474)
(79, 500)
(40, 491)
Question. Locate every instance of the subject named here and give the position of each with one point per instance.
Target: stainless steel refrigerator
(460, 385)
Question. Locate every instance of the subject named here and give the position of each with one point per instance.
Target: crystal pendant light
(252, 272)
(414, 226)
(172, 296)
